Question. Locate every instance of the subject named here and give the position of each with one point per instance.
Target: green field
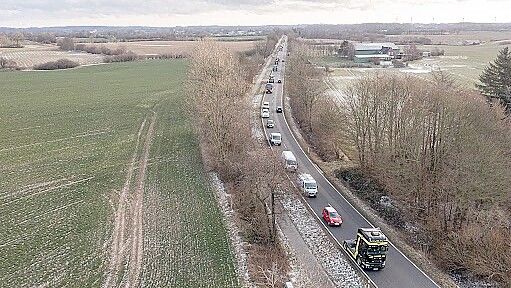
(66, 141)
(465, 63)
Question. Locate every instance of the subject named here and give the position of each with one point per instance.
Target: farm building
(368, 52)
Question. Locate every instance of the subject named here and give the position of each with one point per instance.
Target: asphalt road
(399, 271)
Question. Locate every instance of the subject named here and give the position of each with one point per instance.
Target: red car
(331, 216)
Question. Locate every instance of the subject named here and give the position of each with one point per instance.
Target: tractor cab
(369, 249)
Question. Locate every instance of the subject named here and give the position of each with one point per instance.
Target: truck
(269, 88)
(275, 139)
(369, 249)
(308, 185)
(289, 160)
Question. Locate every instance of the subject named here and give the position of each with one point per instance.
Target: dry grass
(176, 47)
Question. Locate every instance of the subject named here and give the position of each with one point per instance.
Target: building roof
(374, 56)
(374, 46)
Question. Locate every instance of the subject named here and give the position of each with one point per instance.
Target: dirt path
(119, 242)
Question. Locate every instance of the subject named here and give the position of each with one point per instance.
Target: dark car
(279, 109)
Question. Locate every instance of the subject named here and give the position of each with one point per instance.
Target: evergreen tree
(496, 80)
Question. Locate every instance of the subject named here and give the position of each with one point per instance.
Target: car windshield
(276, 137)
(333, 214)
(310, 185)
(376, 249)
(291, 162)
(270, 121)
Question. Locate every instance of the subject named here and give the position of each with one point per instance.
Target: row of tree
(217, 89)
(11, 41)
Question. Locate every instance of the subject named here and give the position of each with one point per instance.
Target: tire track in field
(128, 236)
(117, 245)
(135, 264)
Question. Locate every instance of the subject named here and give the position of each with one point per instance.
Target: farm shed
(367, 52)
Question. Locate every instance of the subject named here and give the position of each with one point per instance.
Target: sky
(163, 13)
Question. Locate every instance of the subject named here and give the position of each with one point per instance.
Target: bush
(8, 64)
(55, 65)
(412, 53)
(371, 191)
(398, 64)
(66, 44)
(100, 49)
(126, 57)
(437, 52)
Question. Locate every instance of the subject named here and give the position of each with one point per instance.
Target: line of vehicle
(311, 210)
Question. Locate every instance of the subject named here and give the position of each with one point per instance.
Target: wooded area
(444, 155)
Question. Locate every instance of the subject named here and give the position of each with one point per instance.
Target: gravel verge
(328, 254)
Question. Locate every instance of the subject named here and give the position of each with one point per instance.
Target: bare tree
(440, 152)
(18, 39)
(66, 44)
(305, 86)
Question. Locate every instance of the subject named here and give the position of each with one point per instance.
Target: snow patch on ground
(237, 244)
(328, 255)
(415, 71)
(465, 280)
(454, 57)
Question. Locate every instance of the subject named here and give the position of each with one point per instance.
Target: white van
(308, 185)
(289, 160)
(275, 138)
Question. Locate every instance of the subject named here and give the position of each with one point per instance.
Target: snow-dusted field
(32, 55)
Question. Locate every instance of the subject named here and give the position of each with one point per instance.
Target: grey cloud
(23, 12)
(127, 6)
